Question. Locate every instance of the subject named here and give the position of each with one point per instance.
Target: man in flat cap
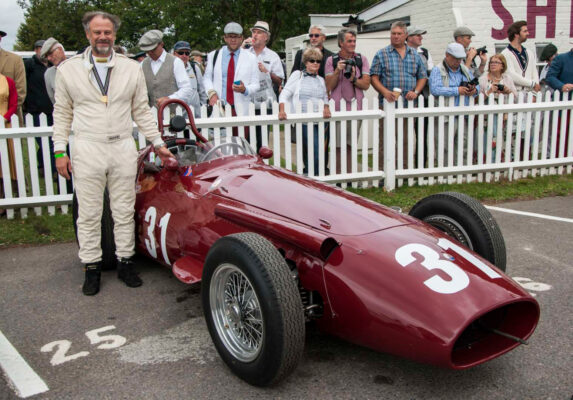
(521, 61)
(37, 100)
(242, 72)
(54, 52)
(164, 73)
(102, 93)
(463, 36)
(182, 50)
(415, 40)
(270, 72)
(12, 66)
(197, 57)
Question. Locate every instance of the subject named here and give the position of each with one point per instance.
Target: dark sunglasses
(183, 53)
(313, 61)
(314, 34)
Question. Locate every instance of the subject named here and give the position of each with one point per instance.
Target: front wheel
(253, 308)
(466, 220)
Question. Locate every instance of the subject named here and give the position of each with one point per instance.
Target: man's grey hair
(87, 18)
(321, 28)
(400, 24)
(342, 34)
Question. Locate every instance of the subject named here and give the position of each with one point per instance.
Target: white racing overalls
(104, 151)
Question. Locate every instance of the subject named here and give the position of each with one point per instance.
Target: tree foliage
(199, 22)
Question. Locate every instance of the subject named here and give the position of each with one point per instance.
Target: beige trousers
(96, 164)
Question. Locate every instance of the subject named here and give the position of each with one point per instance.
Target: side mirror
(265, 153)
(171, 164)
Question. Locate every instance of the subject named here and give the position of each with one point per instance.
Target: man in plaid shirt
(397, 66)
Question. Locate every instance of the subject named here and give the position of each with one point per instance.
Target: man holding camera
(347, 77)
(463, 36)
(452, 78)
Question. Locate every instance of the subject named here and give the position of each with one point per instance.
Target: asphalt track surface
(152, 343)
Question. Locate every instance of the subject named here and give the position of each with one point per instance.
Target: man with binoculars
(347, 77)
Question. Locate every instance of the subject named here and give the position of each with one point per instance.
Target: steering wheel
(177, 145)
(219, 147)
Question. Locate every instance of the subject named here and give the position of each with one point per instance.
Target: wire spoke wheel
(236, 312)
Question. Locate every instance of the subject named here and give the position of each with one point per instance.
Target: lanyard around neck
(103, 88)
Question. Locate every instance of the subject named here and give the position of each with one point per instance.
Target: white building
(549, 21)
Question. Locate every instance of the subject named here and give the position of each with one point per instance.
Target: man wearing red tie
(231, 74)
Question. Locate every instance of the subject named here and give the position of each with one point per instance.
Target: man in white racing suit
(100, 94)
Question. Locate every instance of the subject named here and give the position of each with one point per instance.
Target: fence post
(389, 146)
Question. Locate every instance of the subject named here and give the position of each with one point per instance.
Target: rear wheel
(253, 309)
(466, 220)
(109, 259)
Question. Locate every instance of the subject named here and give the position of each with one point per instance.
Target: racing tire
(253, 308)
(109, 260)
(466, 220)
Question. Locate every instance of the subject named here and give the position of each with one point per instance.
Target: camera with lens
(481, 50)
(351, 62)
(500, 87)
(471, 84)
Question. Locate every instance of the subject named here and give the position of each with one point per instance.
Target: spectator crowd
(244, 70)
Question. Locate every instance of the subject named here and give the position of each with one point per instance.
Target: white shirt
(272, 63)
(184, 91)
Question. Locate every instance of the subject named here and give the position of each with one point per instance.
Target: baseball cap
(182, 45)
(414, 30)
(456, 50)
(47, 46)
(39, 43)
(150, 40)
(262, 25)
(2, 33)
(463, 31)
(233, 27)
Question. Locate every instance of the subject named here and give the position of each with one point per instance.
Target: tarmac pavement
(151, 342)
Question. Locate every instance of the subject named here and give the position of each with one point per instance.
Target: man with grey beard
(102, 94)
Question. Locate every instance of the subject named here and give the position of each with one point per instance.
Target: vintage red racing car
(274, 250)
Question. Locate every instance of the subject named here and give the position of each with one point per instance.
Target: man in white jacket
(232, 74)
(101, 93)
(521, 61)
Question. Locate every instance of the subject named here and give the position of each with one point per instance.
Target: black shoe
(126, 272)
(92, 280)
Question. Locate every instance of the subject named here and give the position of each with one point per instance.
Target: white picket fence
(449, 145)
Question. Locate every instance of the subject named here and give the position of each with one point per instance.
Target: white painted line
(529, 214)
(21, 377)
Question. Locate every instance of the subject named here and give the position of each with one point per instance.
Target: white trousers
(97, 164)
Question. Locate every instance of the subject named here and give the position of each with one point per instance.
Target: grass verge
(58, 228)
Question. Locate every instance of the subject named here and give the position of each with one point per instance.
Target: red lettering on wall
(549, 11)
(506, 18)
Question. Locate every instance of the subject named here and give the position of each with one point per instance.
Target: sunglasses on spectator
(313, 61)
(183, 53)
(314, 34)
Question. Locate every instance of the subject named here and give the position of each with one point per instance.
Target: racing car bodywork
(273, 250)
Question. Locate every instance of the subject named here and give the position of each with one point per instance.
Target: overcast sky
(11, 16)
